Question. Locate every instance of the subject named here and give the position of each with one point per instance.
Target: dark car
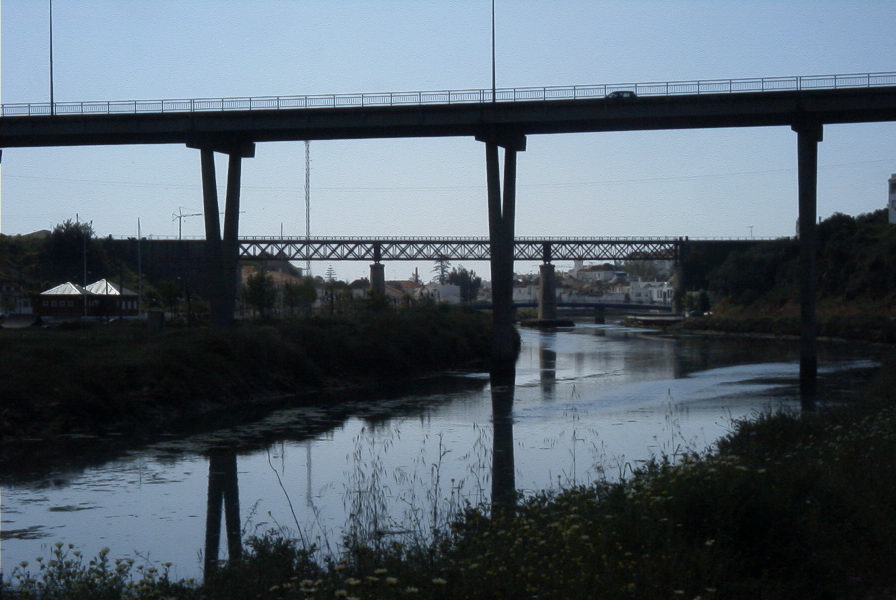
(621, 95)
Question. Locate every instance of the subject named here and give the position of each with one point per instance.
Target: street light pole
(52, 101)
(494, 99)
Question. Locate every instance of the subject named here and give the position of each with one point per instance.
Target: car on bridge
(621, 95)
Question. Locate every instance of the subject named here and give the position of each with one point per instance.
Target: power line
(454, 187)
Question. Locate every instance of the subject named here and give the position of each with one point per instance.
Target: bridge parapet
(468, 96)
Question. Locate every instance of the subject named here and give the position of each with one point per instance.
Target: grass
(836, 318)
(788, 506)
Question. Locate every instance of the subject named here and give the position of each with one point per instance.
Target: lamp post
(494, 98)
(52, 101)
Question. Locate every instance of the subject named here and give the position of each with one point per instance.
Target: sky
(699, 183)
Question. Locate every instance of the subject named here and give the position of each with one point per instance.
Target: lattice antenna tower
(308, 201)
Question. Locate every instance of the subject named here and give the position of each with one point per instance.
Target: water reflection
(503, 468)
(547, 356)
(585, 401)
(223, 491)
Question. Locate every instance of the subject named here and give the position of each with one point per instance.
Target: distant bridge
(629, 306)
(378, 249)
(544, 249)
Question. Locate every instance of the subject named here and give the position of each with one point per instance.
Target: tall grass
(788, 506)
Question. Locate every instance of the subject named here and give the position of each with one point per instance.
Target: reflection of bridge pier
(503, 465)
(547, 365)
(223, 491)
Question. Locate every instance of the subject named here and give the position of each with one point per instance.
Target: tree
(468, 282)
(169, 294)
(441, 270)
(299, 295)
(68, 250)
(260, 293)
(647, 270)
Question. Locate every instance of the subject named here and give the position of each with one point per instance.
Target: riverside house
(100, 299)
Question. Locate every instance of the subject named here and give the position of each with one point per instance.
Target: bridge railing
(469, 96)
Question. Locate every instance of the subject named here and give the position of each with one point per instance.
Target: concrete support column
(378, 279)
(213, 250)
(230, 248)
(501, 214)
(547, 293)
(222, 253)
(678, 276)
(808, 136)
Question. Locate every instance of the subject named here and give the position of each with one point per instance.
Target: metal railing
(470, 96)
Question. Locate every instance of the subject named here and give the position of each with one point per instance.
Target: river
(588, 402)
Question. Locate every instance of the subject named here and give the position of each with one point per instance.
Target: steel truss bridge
(378, 249)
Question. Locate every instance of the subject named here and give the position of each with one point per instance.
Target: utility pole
(179, 216)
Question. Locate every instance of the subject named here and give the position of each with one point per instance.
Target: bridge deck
(873, 98)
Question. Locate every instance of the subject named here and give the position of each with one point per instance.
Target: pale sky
(703, 183)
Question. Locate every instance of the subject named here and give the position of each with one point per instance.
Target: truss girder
(529, 249)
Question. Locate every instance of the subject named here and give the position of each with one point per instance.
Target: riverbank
(120, 379)
(787, 506)
(866, 328)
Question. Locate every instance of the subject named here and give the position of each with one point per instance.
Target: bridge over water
(378, 249)
(498, 118)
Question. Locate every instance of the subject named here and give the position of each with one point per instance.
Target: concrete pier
(809, 134)
(222, 252)
(501, 213)
(547, 293)
(378, 279)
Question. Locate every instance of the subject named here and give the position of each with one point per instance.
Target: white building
(594, 273)
(441, 292)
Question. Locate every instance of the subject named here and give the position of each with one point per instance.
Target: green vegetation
(94, 377)
(755, 291)
(787, 507)
(856, 263)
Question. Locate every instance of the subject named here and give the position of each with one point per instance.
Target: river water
(588, 402)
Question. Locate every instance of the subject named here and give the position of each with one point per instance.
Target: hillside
(856, 272)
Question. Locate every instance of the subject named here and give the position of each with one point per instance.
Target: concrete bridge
(497, 118)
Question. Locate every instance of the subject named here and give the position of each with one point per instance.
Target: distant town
(274, 287)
